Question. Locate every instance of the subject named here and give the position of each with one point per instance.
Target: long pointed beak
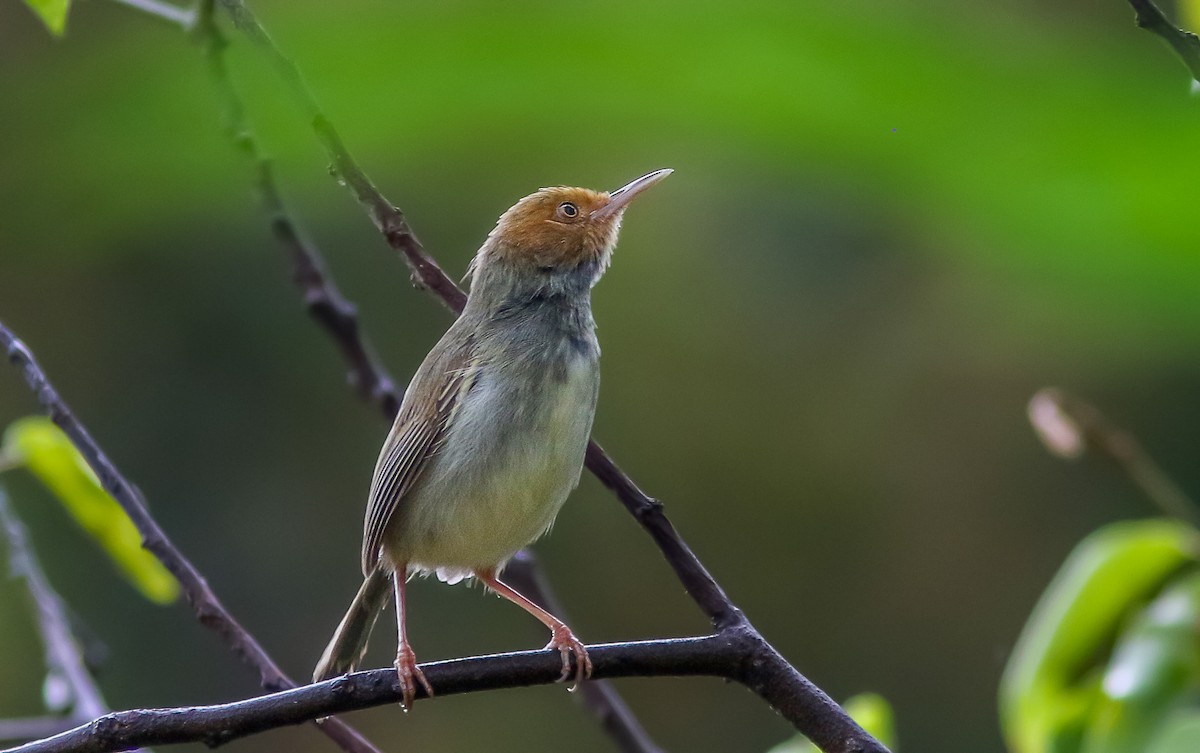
(620, 198)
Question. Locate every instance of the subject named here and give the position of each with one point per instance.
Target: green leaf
(41, 447)
(1153, 668)
(1052, 681)
(53, 13)
(870, 710)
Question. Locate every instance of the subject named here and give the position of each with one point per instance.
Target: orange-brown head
(560, 229)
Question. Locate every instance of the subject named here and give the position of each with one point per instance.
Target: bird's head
(559, 231)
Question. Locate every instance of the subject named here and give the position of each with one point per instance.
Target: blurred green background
(889, 224)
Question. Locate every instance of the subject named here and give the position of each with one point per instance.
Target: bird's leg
(562, 638)
(406, 661)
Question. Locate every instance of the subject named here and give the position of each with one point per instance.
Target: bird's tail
(349, 642)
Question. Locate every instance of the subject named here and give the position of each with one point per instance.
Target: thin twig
(1186, 44)
(715, 656)
(64, 657)
(325, 303)
(1068, 426)
(615, 716)
(387, 217)
(208, 608)
(792, 695)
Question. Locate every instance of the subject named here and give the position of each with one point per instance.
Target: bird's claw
(568, 645)
(409, 674)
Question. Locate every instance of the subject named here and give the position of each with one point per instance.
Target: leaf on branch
(53, 13)
(42, 448)
(872, 712)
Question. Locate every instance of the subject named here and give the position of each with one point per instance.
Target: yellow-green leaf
(1052, 681)
(53, 13)
(48, 454)
(870, 710)
(1190, 11)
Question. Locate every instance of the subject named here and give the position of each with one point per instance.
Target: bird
(491, 434)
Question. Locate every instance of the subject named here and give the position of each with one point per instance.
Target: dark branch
(618, 720)
(208, 608)
(1186, 44)
(387, 217)
(714, 656)
(325, 303)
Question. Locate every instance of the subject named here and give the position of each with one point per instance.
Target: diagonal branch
(387, 217)
(325, 303)
(1186, 44)
(618, 720)
(208, 608)
(63, 655)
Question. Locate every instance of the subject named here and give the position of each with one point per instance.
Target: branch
(325, 303)
(387, 217)
(617, 719)
(63, 655)
(790, 693)
(714, 656)
(1186, 44)
(1068, 426)
(209, 610)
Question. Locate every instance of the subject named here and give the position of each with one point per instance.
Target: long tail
(349, 642)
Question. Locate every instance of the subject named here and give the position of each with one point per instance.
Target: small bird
(491, 435)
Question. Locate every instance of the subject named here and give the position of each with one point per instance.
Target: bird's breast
(511, 456)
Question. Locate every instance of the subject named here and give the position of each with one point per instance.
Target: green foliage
(870, 710)
(1111, 648)
(41, 447)
(1155, 661)
(53, 13)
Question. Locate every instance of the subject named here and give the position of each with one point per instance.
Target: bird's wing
(424, 418)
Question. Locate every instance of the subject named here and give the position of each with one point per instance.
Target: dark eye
(568, 210)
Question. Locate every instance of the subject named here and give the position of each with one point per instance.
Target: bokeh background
(889, 224)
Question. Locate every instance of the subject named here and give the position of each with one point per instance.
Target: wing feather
(424, 418)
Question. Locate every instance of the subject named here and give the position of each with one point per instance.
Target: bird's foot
(409, 675)
(568, 645)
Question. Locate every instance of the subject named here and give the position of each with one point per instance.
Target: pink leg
(562, 638)
(406, 661)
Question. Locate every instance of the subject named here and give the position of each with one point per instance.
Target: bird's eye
(568, 210)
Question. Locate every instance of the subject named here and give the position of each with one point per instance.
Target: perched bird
(490, 438)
